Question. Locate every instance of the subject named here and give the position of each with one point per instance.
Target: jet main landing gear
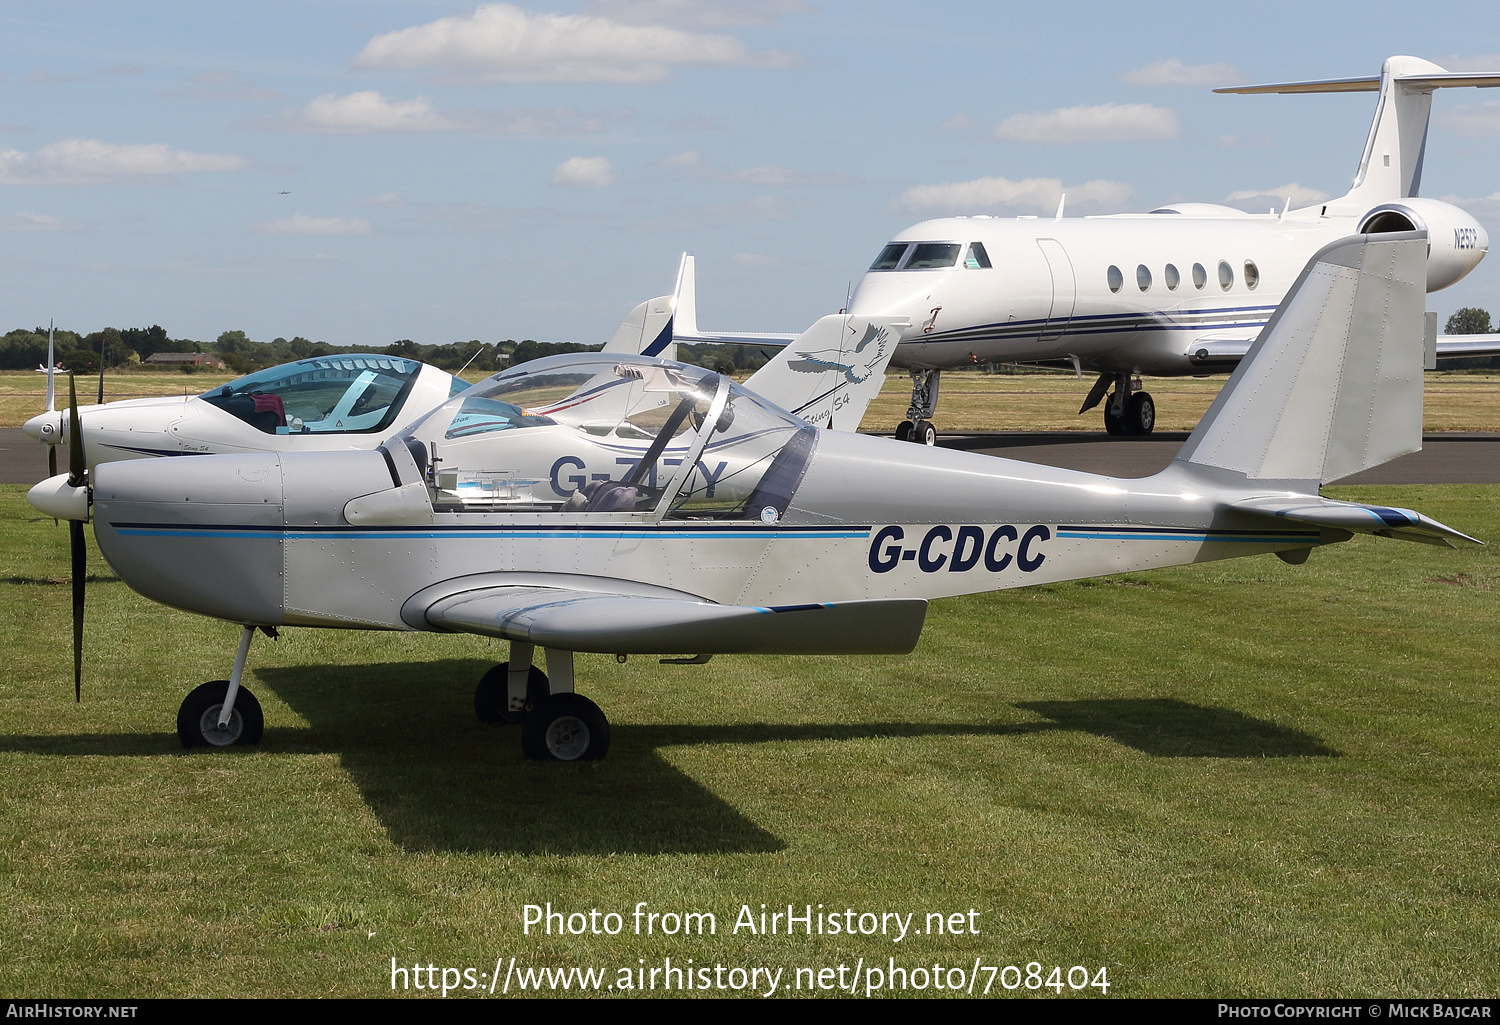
(1125, 413)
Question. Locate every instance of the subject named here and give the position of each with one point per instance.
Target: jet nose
(45, 427)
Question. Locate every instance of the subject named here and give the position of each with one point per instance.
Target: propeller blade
(78, 477)
(80, 571)
(78, 467)
(51, 460)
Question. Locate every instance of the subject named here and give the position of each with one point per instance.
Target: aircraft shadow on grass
(439, 780)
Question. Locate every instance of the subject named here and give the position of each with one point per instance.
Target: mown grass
(1239, 778)
(1455, 401)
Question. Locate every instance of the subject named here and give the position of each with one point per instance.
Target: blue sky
(517, 171)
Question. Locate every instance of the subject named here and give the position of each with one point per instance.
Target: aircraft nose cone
(55, 497)
(45, 427)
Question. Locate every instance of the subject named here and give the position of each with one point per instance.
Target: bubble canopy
(353, 394)
(597, 433)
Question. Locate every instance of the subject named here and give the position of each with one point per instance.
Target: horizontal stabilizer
(1382, 521)
(573, 620)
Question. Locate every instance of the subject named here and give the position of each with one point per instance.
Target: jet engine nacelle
(1456, 242)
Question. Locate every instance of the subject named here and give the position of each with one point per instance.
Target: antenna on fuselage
(1062, 200)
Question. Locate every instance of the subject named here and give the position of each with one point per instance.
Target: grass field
(1240, 778)
(1455, 401)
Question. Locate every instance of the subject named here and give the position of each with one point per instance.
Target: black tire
(1140, 414)
(923, 433)
(492, 695)
(903, 432)
(565, 728)
(1112, 424)
(198, 718)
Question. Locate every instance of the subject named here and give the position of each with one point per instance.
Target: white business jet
(1180, 290)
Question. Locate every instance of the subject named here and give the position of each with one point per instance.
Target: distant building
(190, 359)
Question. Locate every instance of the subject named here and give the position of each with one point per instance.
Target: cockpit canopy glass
(890, 256)
(355, 394)
(587, 433)
(928, 256)
(933, 255)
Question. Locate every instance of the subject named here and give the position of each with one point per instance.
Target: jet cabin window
(1116, 279)
(1226, 275)
(1172, 278)
(326, 395)
(585, 434)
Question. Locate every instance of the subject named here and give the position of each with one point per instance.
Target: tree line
(24, 349)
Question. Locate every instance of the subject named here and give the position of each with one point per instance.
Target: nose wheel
(198, 718)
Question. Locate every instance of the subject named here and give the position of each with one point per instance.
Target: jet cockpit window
(977, 259)
(586, 433)
(933, 255)
(890, 256)
(356, 394)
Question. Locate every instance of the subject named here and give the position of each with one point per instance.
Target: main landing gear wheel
(198, 718)
(1140, 414)
(492, 696)
(565, 728)
(903, 431)
(1113, 424)
(923, 433)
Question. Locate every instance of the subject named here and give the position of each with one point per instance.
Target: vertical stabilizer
(831, 372)
(646, 330)
(685, 299)
(1391, 167)
(1333, 383)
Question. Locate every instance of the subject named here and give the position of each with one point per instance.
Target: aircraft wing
(1402, 524)
(1212, 352)
(1454, 346)
(576, 620)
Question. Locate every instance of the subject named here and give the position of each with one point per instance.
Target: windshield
(326, 395)
(588, 433)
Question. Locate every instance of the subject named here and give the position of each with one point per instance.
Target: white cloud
(502, 43)
(987, 195)
(368, 112)
(303, 224)
(1475, 121)
(584, 173)
(1257, 200)
(36, 222)
(1173, 72)
(765, 175)
(697, 13)
(1107, 122)
(91, 162)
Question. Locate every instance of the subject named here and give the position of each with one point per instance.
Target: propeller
(78, 477)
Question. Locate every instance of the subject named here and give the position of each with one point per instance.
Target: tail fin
(1391, 167)
(832, 371)
(646, 330)
(1333, 383)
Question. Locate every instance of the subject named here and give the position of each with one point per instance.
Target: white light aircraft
(1181, 290)
(702, 519)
